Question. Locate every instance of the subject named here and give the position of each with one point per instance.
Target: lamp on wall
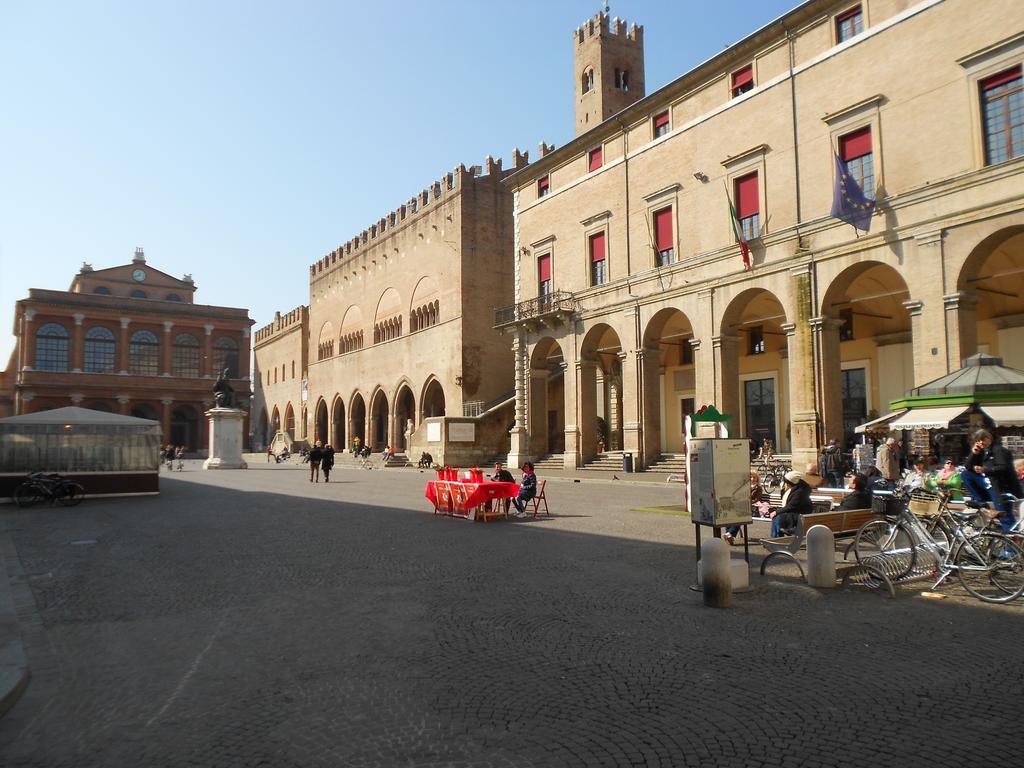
(701, 177)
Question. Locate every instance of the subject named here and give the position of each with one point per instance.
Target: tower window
(588, 80)
(543, 186)
(622, 79)
(743, 80)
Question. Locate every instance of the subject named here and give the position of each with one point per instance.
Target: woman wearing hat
(796, 501)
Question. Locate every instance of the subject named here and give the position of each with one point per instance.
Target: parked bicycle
(39, 487)
(988, 563)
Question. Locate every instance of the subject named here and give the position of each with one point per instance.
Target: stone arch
(432, 401)
(357, 418)
(320, 422)
(380, 420)
(865, 346)
(753, 373)
(289, 421)
(275, 422)
(669, 381)
(338, 431)
(600, 387)
(988, 306)
(404, 403)
(351, 330)
(546, 417)
(325, 345)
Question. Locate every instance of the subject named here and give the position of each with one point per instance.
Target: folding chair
(539, 498)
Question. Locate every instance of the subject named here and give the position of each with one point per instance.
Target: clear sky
(241, 141)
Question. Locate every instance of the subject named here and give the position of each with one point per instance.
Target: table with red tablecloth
(474, 496)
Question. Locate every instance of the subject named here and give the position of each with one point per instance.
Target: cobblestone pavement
(255, 619)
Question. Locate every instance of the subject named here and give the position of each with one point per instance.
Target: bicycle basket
(923, 503)
(886, 505)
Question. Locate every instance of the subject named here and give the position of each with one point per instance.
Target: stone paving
(255, 619)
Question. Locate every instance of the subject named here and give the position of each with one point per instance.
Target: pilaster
(78, 344)
(166, 349)
(123, 347)
(961, 315)
(829, 375)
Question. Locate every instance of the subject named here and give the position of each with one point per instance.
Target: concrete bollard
(821, 557)
(715, 574)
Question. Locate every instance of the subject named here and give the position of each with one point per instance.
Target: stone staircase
(399, 460)
(552, 461)
(669, 463)
(609, 461)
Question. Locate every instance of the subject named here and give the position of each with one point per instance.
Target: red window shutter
(663, 229)
(597, 247)
(1001, 79)
(595, 158)
(747, 195)
(542, 184)
(544, 267)
(743, 76)
(660, 120)
(856, 144)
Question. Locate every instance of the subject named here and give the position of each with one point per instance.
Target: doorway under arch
(320, 424)
(357, 419)
(405, 412)
(338, 425)
(600, 387)
(546, 414)
(433, 399)
(669, 382)
(990, 301)
(379, 421)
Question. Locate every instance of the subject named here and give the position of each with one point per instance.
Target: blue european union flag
(848, 201)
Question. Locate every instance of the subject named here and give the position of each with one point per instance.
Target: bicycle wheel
(990, 567)
(28, 495)
(69, 494)
(938, 530)
(882, 537)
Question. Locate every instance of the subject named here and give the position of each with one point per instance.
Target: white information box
(718, 481)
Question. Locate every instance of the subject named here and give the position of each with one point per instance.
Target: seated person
(796, 501)
(916, 478)
(527, 489)
(426, 460)
(389, 453)
(860, 496)
(758, 507)
(501, 475)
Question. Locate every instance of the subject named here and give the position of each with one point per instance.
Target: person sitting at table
(527, 489)
(859, 496)
(501, 475)
(796, 501)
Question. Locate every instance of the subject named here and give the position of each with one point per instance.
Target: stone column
(586, 409)
(123, 347)
(727, 377)
(703, 374)
(650, 385)
(803, 412)
(706, 364)
(919, 343)
(571, 448)
(78, 344)
(519, 449)
(829, 383)
(537, 415)
(613, 388)
(934, 349)
(125, 403)
(165, 350)
(961, 310)
(28, 344)
(165, 418)
(207, 366)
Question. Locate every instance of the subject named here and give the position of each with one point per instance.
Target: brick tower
(609, 69)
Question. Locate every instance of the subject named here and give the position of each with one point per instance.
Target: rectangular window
(846, 329)
(849, 24)
(685, 352)
(755, 340)
(293, 369)
(664, 237)
(595, 159)
(544, 275)
(1002, 109)
(275, 374)
(661, 124)
(543, 186)
(598, 273)
(743, 80)
(759, 405)
(855, 149)
(748, 206)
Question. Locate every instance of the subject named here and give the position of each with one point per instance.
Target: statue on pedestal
(224, 393)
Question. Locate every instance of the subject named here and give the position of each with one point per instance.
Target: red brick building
(130, 340)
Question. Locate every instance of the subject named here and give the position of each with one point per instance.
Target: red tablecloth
(477, 493)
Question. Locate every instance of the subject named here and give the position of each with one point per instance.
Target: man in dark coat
(796, 501)
(998, 463)
(327, 462)
(860, 495)
(316, 455)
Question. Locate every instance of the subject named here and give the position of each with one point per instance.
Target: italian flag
(738, 231)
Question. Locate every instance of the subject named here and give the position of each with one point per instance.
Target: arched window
(52, 348)
(172, 297)
(588, 80)
(99, 350)
(185, 356)
(144, 352)
(137, 294)
(102, 290)
(225, 355)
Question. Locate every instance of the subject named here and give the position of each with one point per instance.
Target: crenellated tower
(609, 68)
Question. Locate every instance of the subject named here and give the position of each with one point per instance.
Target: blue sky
(241, 141)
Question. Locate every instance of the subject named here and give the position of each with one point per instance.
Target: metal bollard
(715, 575)
(821, 557)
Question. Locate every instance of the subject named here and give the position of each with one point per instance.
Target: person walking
(832, 464)
(327, 462)
(887, 462)
(270, 454)
(315, 457)
(179, 455)
(999, 467)
(527, 489)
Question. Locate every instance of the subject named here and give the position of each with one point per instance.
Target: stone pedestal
(225, 439)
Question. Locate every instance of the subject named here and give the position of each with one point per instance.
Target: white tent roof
(880, 422)
(929, 418)
(1005, 415)
(79, 416)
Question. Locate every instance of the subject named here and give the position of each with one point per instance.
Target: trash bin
(627, 462)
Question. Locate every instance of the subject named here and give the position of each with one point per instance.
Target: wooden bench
(842, 523)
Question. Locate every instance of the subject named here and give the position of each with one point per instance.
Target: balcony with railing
(548, 306)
